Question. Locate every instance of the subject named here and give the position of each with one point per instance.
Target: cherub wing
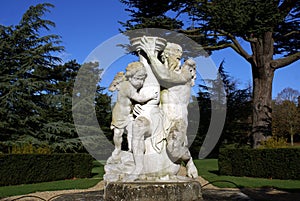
(119, 77)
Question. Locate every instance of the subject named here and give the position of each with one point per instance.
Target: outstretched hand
(149, 47)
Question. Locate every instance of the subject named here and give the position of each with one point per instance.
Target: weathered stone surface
(153, 191)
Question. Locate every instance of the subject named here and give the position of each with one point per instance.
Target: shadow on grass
(216, 172)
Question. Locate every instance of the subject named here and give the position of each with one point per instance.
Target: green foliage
(150, 14)
(242, 18)
(238, 102)
(280, 163)
(31, 168)
(213, 23)
(36, 89)
(30, 149)
(286, 114)
(25, 65)
(274, 142)
(69, 184)
(91, 107)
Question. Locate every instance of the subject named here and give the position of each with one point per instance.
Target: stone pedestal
(153, 191)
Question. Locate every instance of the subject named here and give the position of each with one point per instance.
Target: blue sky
(84, 24)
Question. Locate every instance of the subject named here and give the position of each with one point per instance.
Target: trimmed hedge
(33, 168)
(280, 163)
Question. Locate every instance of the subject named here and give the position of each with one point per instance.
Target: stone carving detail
(152, 101)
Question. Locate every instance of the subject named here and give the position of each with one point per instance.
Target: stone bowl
(160, 43)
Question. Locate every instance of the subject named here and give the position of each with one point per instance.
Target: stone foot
(192, 171)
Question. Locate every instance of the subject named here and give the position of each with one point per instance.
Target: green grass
(97, 171)
(208, 169)
(6, 191)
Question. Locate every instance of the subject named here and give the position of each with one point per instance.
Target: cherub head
(119, 77)
(136, 74)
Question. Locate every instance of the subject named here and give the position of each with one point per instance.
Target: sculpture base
(153, 191)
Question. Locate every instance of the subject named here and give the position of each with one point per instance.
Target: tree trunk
(292, 136)
(263, 75)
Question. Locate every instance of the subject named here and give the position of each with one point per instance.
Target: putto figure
(127, 86)
(153, 97)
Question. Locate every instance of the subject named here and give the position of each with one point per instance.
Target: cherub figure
(127, 86)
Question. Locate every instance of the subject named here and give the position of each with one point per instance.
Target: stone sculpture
(157, 124)
(127, 85)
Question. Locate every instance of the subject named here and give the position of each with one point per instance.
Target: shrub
(274, 142)
(280, 163)
(30, 149)
(32, 168)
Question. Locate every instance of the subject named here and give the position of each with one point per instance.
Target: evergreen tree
(150, 14)
(26, 60)
(36, 90)
(58, 127)
(213, 95)
(91, 111)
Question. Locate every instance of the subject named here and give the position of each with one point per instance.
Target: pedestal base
(153, 191)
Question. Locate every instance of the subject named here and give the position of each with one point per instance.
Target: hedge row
(33, 168)
(281, 163)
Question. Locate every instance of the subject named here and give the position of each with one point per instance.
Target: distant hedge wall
(283, 163)
(33, 168)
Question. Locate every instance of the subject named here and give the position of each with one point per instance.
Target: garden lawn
(208, 169)
(6, 191)
(97, 171)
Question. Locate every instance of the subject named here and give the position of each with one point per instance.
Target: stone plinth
(153, 191)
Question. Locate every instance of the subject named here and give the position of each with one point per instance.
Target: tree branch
(250, 40)
(217, 47)
(282, 62)
(291, 33)
(287, 6)
(188, 31)
(286, 35)
(203, 35)
(237, 46)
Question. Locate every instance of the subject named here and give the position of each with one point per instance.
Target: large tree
(269, 27)
(26, 62)
(36, 89)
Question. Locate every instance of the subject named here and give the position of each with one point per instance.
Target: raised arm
(161, 70)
